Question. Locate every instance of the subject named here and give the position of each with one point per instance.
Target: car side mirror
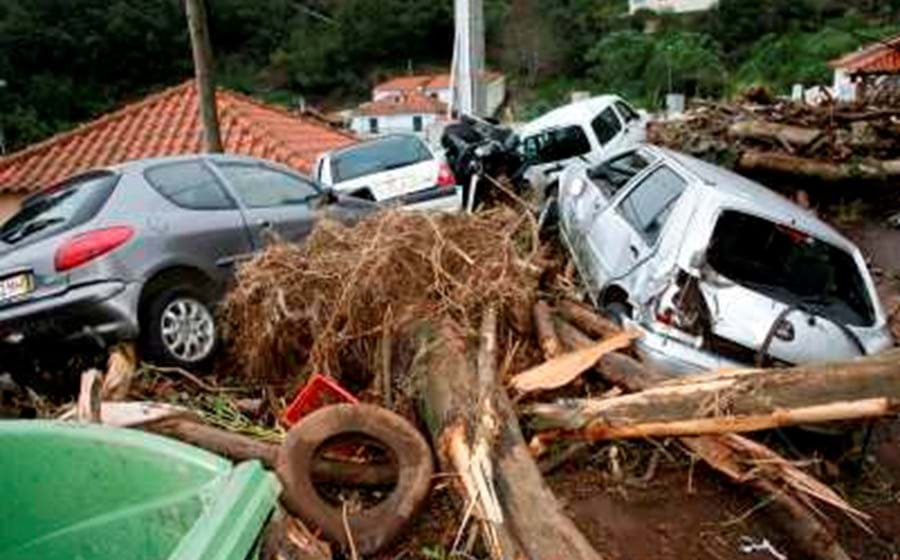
(327, 196)
(698, 260)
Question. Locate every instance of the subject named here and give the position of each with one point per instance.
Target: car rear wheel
(180, 328)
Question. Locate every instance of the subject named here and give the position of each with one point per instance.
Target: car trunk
(395, 183)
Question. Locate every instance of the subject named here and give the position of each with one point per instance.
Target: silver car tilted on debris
(145, 249)
(715, 270)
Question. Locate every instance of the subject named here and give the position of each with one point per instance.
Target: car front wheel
(180, 328)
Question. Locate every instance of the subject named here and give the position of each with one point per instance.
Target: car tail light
(445, 176)
(88, 246)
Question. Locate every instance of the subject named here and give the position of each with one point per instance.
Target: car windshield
(59, 208)
(614, 174)
(379, 155)
(790, 266)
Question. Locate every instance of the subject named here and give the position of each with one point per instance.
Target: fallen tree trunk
(741, 460)
(774, 398)
(823, 170)
(506, 484)
(587, 320)
(243, 448)
(543, 325)
(794, 136)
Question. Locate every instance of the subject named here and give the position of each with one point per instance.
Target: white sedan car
(714, 269)
(395, 169)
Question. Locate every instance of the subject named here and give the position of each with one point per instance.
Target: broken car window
(790, 266)
(614, 174)
(628, 114)
(557, 145)
(606, 126)
(648, 206)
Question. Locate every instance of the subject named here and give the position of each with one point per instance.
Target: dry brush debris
(329, 302)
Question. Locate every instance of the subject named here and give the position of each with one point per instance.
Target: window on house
(417, 123)
(373, 126)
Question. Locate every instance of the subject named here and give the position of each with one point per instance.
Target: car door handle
(264, 224)
(634, 252)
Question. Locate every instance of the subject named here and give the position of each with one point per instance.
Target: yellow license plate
(15, 286)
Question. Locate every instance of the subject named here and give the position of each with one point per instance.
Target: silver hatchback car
(145, 249)
(714, 269)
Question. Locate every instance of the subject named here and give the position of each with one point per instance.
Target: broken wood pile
(440, 319)
(829, 143)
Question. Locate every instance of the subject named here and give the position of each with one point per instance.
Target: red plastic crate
(319, 391)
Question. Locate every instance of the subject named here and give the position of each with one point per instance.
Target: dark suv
(145, 249)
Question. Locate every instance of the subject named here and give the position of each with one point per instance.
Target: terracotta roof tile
(168, 123)
(426, 82)
(412, 103)
(878, 58)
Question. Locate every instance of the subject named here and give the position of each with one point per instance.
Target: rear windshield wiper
(29, 228)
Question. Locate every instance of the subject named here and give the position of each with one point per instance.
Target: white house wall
(391, 124)
(672, 5)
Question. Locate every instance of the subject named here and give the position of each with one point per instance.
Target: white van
(587, 131)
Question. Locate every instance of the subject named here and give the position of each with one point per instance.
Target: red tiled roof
(404, 83)
(879, 58)
(167, 123)
(426, 81)
(409, 104)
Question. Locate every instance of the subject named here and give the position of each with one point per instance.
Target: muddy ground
(684, 511)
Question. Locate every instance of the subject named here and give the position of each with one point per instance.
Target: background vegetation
(66, 61)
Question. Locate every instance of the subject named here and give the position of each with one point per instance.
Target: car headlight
(576, 187)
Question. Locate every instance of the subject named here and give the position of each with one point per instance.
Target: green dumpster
(91, 492)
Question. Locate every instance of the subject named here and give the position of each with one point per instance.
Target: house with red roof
(869, 72)
(163, 124)
(414, 103)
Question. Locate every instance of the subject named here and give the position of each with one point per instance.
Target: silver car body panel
(102, 297)
(610, 255)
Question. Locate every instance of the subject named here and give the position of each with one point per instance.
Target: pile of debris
(829, 143)
(468, 319)
(465, 339)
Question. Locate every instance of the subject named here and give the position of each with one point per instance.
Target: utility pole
(203, 69)
(2, 136)
(468, 70)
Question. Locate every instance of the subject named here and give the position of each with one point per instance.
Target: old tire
(373, 528)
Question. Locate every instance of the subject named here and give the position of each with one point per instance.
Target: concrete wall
(672, 5)
(391, 123)
(9, 203)
(495, 94)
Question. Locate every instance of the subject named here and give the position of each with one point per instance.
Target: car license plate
(15, 286)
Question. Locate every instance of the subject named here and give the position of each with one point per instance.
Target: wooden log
(564, 369)
(822, 170)
(449, 406)
(543, 326)
(616, 368)
(795, 136)
(587, 320)
(739, 458)
(243, 448)
(773, 398)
